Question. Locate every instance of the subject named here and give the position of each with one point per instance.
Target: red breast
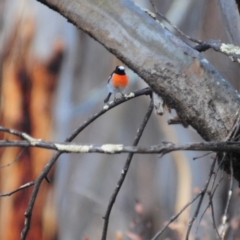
(119, 81)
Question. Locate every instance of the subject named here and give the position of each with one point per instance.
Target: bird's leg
(115, 99)
(107, 98)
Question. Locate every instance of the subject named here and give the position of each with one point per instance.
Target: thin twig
(235, 127)
(213, 218)
(200, 194)
(210, 204)
(15, 160)
(211, 195)
(230, 191)
(172, 25)
(125, 171)
(212, 192)
(51, 162)
(173, 218)
(201, 199)
(204, 155)
(26, 185)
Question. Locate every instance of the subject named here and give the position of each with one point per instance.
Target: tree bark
(186, 80)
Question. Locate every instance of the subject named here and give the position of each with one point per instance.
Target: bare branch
(170, 23)
(125, 171)
(210, 203)
(15, 160)
(26, 185)
(106, 148)
(48, 166)
(201, 199)
(201, 156)
(173, 218)
(230, 50)
(230, 191)
(213, 216)
(162, 149)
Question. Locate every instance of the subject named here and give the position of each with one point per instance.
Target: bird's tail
(107, 98)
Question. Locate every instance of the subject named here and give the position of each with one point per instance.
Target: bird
(117, 82)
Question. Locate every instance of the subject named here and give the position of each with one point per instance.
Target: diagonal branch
(225, 217)
(211, 173)
(26, 185)
(230, 50)
(52, 161)
(125, 171)
(173, 218)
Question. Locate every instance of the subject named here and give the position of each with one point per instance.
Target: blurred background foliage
(53, 77)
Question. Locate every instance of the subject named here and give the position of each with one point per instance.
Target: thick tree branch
(185, 80)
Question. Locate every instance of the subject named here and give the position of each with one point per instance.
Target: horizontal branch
(162, 148)
(230, 50)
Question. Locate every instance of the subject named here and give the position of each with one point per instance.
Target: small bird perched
(117, 82)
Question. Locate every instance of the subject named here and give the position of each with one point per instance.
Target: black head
(120, 70)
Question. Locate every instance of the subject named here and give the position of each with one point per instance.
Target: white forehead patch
(121, 67)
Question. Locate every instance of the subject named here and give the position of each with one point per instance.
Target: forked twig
(190, 224)
(110, 149)
(51, 162)
(201, 194)
(125, 170)
(211, 195)
(173, 218)
(210, 204)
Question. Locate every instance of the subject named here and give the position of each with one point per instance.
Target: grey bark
(185, 80)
